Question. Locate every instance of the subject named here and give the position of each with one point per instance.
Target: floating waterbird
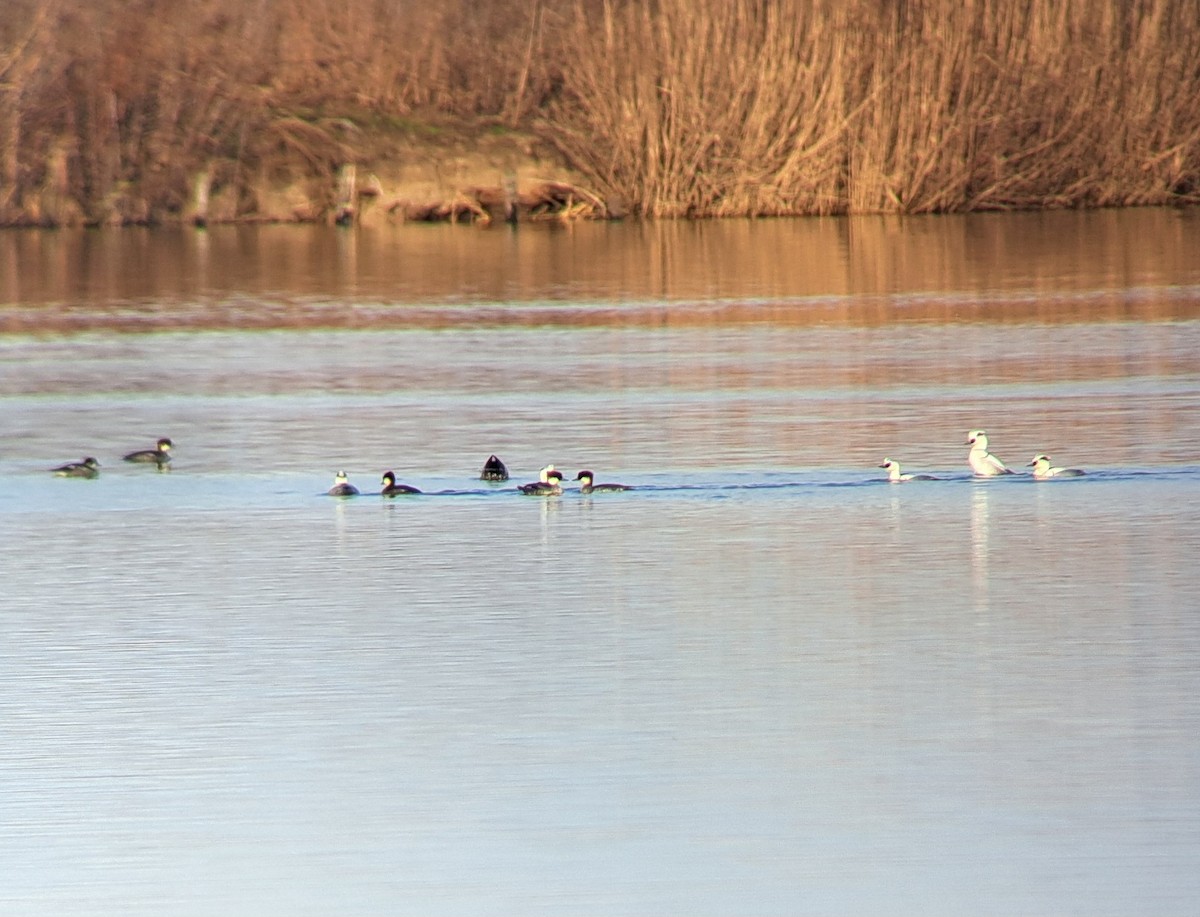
(587, 487)
(982, 462)
(392, 489)
(87, 468)
(493, 470)
(1042, 470)
(159, 455)
(342, 486)
(895, 476)
(549, 484)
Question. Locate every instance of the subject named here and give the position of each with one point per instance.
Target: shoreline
(317, 112)
(475, 173)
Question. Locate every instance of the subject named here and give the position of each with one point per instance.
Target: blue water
(764, 681)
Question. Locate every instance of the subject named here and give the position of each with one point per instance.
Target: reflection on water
(765, 681)
(979, 544)
(1053, 267)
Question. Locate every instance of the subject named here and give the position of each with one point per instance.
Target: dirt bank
(418, 170)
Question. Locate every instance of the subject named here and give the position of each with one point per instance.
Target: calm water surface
(763, 682)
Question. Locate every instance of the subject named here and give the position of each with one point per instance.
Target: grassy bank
(120, 111)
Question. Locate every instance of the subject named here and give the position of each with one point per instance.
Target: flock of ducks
(985, 465)
(549, 483)
(88, 467)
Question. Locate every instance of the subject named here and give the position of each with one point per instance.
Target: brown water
(1049, 267)
(765, 681)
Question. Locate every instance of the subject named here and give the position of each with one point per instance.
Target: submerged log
(458, 210)
(545, 200)
(562, 201)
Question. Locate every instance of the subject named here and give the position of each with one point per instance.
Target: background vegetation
(119, 110)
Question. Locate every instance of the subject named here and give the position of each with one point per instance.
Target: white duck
(1043, 470)
(895, 476)
(982, 462)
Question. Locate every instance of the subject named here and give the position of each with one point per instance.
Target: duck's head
(389, 478)
(164, 445)
(585, 476)
(889, 464)
(977, 438)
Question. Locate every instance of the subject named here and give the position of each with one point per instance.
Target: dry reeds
(815, 106)
(144, 110)
(113, 110)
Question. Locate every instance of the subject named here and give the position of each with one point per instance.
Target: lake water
(764, 682)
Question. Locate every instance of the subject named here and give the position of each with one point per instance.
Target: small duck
(982, 462)
(342, 486)
(392, 489)
(1042, 470)
(896, 477)
(87, 468)
(493, 470)
(549, 484)
(587, 487)
(159, 455)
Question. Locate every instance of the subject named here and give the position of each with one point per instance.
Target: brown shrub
(815, 106)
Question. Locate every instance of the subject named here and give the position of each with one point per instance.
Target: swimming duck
(895, 476)
(549, 484)
(159, 455)
(587, 487)
(87, 468)
(982, 462)
(342, 487)
(1042, 470)
(392, 489)
(493, 470)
